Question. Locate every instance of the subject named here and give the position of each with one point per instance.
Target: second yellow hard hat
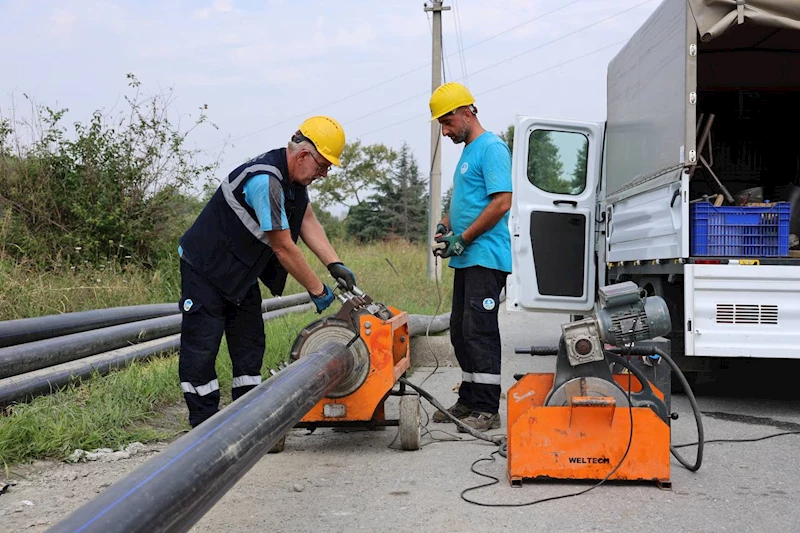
(449, 97)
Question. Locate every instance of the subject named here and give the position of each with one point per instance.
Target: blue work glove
(339, 271)
(455, 245)
(322, 301)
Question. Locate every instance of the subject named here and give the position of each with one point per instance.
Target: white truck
(695, 105)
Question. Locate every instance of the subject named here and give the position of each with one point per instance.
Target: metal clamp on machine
(377, 336)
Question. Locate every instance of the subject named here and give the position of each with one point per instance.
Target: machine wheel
(278, 446)
(409, 422)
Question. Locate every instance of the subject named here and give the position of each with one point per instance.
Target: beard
(460, 136)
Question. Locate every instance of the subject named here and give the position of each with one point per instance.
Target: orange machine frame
(388, 345)
(584, 440)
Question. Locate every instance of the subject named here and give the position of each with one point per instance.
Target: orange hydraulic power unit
(588, 420)
(589, 437)
(382, 356)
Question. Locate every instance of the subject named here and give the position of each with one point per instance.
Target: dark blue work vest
(226, 245)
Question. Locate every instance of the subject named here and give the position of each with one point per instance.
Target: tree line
(382, 191)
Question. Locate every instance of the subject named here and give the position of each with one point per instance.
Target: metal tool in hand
(439, 247)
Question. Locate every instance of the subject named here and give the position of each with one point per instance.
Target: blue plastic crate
(739, 231)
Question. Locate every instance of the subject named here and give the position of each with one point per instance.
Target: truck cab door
(556, 170)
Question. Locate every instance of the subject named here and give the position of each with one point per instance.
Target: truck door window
(557, 161)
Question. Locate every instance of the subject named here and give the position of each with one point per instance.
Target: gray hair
(298, 141)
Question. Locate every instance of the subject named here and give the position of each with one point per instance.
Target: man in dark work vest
(249, 231)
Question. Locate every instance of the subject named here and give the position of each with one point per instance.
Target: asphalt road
(357, 480)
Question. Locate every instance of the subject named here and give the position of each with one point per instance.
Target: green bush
(115, 188)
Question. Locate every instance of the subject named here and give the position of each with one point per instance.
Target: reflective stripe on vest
(228, 186)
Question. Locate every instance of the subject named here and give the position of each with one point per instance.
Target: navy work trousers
(475, 335)
(206, 316)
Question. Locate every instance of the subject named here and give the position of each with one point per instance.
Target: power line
(393, 78)
(584, 28)
(518, 26)
(460, 41)
(548, 69)
(525, 52)
(553, 67)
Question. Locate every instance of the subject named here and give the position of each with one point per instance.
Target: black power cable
(692, 400)
(757, 439)
(549, 498)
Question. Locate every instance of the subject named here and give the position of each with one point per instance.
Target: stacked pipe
(58, 349)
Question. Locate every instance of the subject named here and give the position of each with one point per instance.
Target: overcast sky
(261, 67)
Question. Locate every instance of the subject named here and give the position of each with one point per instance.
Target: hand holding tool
(454, 245)
(340, 272)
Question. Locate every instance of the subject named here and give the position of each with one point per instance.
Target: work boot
(480, 421)
(458, 410)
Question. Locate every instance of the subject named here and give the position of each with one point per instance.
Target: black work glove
(339, 271)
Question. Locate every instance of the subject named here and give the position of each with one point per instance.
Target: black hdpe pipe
(44, 327)
(15, 360)
(44, 381)
(174, 489)
(23, 330)
(281, 302)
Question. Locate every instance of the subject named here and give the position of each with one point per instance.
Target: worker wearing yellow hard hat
(248, 231)
(327, 135)
(449, 97)
(475, 236)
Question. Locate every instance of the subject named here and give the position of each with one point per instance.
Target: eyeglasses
(321, 168)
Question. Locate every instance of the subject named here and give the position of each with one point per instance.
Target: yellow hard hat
(449, 97)
(327, 135)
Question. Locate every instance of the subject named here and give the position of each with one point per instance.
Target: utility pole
(435, 185)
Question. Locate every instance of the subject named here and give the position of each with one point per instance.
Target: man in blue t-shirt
(475, 236)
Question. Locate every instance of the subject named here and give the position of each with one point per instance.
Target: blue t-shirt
(484, 169)
(264, 194)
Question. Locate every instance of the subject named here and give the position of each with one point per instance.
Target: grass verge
(138, 403)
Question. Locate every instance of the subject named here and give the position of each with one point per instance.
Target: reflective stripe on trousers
(478, 377)
(246, 381)
(200, 390)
